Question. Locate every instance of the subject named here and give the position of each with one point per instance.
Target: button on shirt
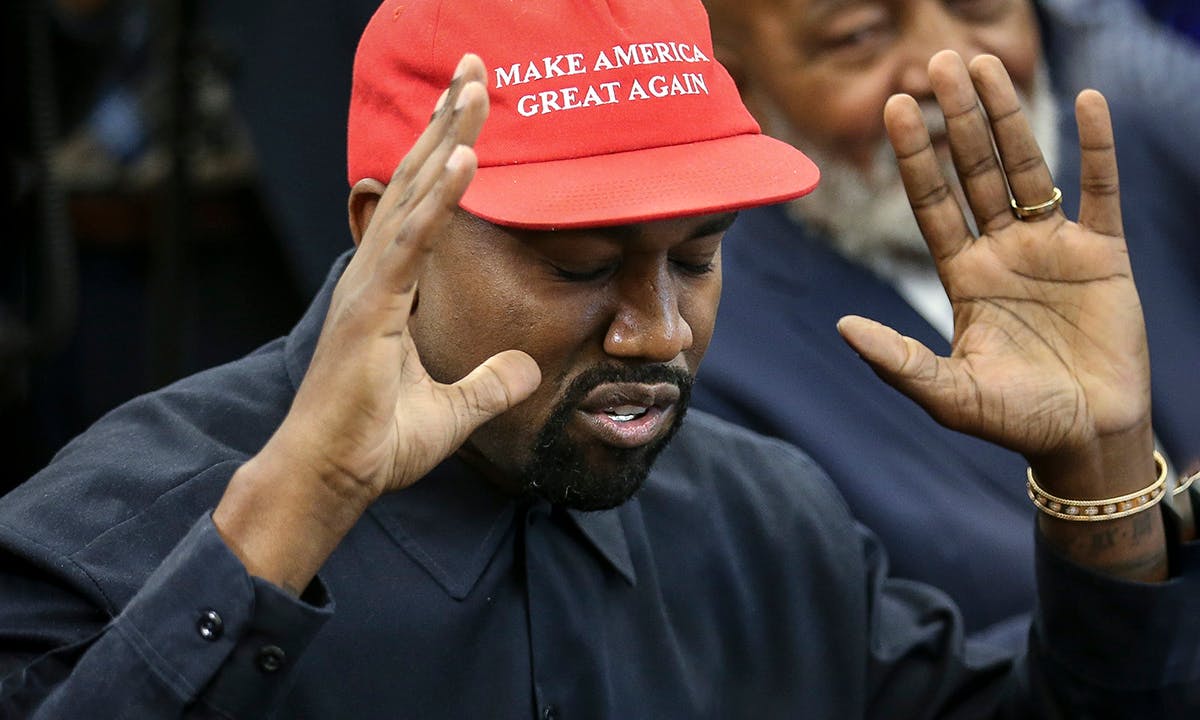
(735, 584)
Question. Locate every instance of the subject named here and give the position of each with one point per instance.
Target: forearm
(283, 517)
(1106, 647)
(192, 634)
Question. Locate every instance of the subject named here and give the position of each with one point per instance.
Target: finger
(1028, 175)
(413, 219)
(900, 361)
(1100, 197)
(415, 232)
(458, 119)
(498, 384)
(937, 212)
(469, 113)
(470, 68)
(887, 351)
(970, 141)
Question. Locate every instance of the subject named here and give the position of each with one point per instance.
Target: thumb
(900, 361)
(499, 383)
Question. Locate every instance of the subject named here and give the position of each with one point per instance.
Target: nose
(646, 323)
(927, 29)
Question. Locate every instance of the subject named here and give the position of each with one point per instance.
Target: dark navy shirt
(734, 585)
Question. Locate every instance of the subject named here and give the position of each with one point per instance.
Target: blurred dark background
(1182, 15)
(174, 185)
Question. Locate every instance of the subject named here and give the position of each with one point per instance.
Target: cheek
(560, 337)
(837, 109)
(454, 338)
(461, 319)
(1020, 53)
(1017, 41)
(840, 113)
(700, 312)
(455, 331)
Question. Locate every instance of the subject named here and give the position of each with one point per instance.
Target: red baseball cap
(603, 112)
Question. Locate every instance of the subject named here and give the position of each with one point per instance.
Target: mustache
(931, 112)
(593, 377)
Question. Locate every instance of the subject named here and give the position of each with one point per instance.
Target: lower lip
(630, 434)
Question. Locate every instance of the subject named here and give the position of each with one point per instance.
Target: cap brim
(697, 178)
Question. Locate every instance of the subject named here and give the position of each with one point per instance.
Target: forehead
(667, 231)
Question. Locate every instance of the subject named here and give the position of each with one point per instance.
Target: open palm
(1049, 344)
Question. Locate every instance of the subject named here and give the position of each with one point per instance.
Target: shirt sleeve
(1114, 648)
(1099, 647)
(201, 638)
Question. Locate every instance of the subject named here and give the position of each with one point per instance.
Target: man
(818, 74)
(464, 443)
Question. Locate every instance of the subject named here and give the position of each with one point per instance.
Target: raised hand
(368, 413)
(1049, 352)
(1049, 347)
(367, 418)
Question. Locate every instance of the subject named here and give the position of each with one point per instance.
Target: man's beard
(559, 470)
(866, 216)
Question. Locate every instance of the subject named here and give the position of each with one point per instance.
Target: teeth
(625, 413)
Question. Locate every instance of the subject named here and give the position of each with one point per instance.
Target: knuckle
(404, 169)
(1104, 186)
(1026, 164)
(931, 197)
(406, 195)
(975, 167)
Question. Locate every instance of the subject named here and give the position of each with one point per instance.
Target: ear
(364, 198)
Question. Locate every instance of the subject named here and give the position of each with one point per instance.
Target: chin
(569, 480)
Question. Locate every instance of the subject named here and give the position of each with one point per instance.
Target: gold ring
(1029, 212)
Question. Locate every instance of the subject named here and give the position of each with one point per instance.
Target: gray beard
(867, 217)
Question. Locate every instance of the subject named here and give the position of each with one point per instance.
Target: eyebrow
(717, 224)
(821, 8)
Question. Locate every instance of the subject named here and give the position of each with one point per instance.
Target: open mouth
(628, 415)
(625, 413)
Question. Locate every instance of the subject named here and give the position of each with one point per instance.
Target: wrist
(283, 519)
(1132, 546)
(1109, 466)
(1108, 508)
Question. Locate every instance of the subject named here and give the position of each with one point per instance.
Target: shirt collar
(452, 521)
(604, 528)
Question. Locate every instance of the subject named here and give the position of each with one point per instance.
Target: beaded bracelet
(1106, 509)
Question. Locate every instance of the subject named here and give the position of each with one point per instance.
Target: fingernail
(442, 100)
(457, 158)
(461, 101)
(461, 68)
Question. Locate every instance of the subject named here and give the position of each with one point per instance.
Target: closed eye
(696, 269)
(582, 275)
